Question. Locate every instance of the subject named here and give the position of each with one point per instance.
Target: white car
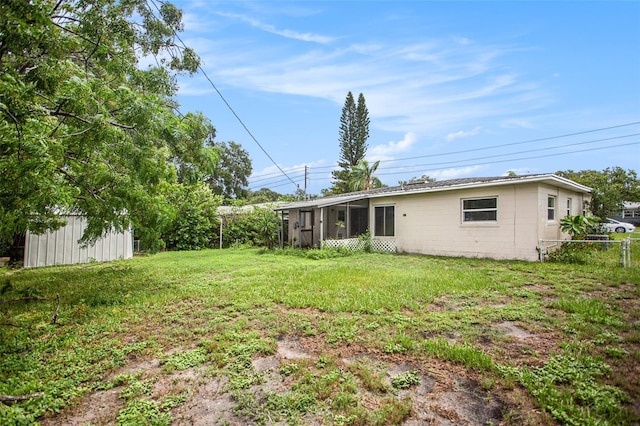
(613, 225)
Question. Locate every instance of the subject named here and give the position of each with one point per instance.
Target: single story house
(501, 217)
(630, 213)
(61, 247)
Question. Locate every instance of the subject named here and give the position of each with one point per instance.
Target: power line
(421, 169)
(517, 152)
(503, 145)
(266, 175)
(227, 103)
(474, 162)
(266, 181)
(418, 168)
(517, 143)
(531, 157)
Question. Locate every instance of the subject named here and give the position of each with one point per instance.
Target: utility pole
(306, 172)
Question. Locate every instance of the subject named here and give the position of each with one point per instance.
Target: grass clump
(567, 386)
(406, 380)
(463, 354)
(589, 310)
(144, 412)
(187, 359)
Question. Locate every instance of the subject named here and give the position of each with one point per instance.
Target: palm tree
(361, 177)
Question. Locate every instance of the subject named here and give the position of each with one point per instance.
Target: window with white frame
(551, 207)
(480, 209)
(569, 206)
(384, 221)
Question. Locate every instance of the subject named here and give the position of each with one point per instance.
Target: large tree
(84, 127)
(611, 188)
(230, 177)
(353, 134)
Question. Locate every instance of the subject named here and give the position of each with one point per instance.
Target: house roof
(444, 185)
(630, 205)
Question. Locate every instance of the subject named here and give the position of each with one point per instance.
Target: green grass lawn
(210, 315)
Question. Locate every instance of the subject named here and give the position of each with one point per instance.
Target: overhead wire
(515, 153)
(524, 158)
(244, 126)
(485, 148)
(289, 179)
(266, 175)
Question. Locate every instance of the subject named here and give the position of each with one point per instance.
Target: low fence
(357, 244)
(625, 247)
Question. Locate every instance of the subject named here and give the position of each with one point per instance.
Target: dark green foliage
(578, 253)
(84, 128)
(361, 177)
(566, 386)
(353, 133)
(195, 224)
(578, 226)
(230, 178)
(611, 187)
(267, 227)
(258, 227)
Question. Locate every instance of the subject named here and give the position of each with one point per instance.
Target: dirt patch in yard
(446, 394)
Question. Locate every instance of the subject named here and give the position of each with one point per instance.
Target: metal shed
(61, 247)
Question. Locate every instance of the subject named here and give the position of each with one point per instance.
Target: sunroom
(337, 221)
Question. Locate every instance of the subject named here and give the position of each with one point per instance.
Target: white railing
(357, 244)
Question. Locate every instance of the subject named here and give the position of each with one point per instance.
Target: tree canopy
(230, 177)
(362, 176)
(611, 188)
(353, 135)
(84, 126)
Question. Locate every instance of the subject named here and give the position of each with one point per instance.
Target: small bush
(574, 253)
(406, 380)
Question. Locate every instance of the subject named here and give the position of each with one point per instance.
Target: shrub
(195, 223)
(574, 253)
(257, 227)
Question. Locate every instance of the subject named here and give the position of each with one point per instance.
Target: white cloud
(419, 86)
(389, 150)
(463, 134)
(454, 173)
(310, 37)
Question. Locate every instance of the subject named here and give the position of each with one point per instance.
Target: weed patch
(234, 305)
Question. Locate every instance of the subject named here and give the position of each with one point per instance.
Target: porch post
(321, 225)
(221, 219)
(348, 222)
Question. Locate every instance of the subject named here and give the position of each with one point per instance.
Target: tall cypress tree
(353, 132)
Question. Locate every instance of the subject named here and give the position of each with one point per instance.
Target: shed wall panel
(61, 247)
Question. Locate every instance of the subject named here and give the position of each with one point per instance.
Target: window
(568, 206)
(384, 221)
(551, 207)
(306, 219)
(480, 210)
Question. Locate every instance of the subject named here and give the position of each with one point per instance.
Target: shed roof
(444, 185)
(246, 209)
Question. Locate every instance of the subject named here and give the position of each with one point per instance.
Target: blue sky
(454, 89)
